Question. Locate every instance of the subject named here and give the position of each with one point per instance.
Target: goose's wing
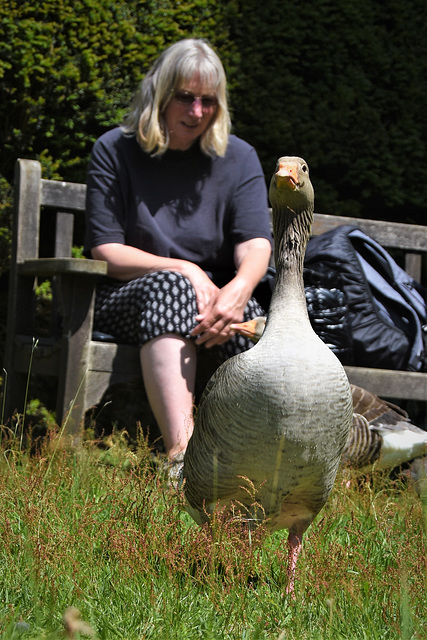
(364, 444)
(375, 409)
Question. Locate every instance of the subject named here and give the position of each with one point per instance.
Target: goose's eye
(304, 168)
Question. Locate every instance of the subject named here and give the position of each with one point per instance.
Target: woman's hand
(227, 305)
(203, 286)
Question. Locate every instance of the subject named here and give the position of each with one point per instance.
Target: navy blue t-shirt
(182, 204)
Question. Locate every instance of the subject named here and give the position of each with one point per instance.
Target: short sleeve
(104, 196)
(250, 200)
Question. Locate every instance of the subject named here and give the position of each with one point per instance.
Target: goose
(276, 417)
(382, 434)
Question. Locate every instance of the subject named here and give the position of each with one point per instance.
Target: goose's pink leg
(295, 545)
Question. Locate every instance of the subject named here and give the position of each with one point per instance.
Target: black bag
(386, 308)
(328, 312)
(326, 306)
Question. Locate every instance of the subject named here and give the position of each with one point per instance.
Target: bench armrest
(49, 267)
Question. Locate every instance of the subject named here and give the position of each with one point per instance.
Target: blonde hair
(176, 66)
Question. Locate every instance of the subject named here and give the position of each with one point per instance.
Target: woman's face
(189, 113)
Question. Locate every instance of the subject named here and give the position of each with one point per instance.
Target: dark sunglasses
(207, 102)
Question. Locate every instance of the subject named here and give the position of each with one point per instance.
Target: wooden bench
(85, 367)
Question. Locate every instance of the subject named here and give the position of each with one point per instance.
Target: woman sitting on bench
(178, 208)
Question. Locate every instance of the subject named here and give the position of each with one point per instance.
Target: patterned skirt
(137, 311)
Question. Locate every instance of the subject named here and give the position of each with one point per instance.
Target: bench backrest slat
(63, 195)
(394, 235)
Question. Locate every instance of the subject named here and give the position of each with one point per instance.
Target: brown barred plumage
(381, 433)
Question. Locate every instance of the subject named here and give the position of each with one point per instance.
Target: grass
(95, 529)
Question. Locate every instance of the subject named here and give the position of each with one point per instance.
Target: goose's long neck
(291, 232)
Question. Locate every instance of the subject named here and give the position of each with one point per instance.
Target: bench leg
(77, 301)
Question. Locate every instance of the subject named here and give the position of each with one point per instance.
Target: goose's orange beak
(247, 329)
(287, 174)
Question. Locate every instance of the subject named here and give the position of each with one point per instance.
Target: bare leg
(169, 372)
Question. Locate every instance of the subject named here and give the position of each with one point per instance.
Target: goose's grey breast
(269, 420)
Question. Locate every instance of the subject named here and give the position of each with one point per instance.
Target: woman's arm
(126, 263)
(252, 259)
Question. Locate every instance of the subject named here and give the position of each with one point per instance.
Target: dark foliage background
(341, 83)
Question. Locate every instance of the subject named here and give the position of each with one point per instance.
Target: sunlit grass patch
(95, 528)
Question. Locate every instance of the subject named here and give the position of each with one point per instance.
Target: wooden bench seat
(85, 367)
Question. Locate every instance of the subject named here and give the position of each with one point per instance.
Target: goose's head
(290, 185)
(252, 329)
